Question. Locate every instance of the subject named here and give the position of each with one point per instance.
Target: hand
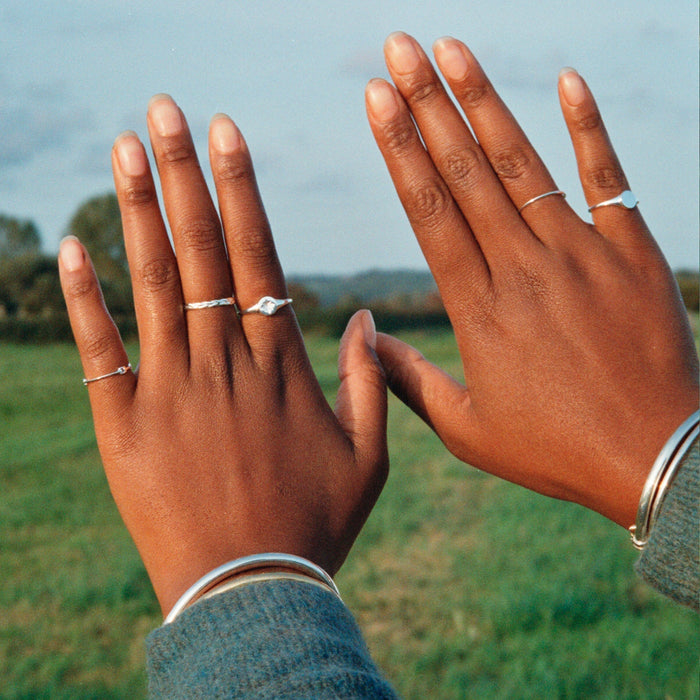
(578, 358)
(221, 444)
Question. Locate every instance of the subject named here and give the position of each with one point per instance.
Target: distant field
(465, 586)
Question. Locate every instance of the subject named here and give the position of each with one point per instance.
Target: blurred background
(75, 74)
(465, 586)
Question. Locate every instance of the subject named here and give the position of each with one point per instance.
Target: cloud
(36, 118)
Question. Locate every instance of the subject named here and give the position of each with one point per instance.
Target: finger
(452, 252)
(511, 155)
(460, 160)
(154, 275)
(254, 263)
(361, 403)
(194, 222)
(101, 349)
(441, 401)
(600, 171)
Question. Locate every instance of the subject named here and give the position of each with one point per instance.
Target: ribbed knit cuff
(273, 639)
(670, 560)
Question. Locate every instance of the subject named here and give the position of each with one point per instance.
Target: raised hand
(221, 443)
(578, 359)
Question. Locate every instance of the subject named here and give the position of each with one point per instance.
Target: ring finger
(516, 163)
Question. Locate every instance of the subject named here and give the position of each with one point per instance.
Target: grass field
(465, 586)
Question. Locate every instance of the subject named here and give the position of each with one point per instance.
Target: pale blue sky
(73, 74)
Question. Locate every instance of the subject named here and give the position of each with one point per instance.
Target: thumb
(361, 404)
(441, 401)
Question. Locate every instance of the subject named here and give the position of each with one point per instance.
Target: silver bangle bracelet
(660, 478)
(222, 573)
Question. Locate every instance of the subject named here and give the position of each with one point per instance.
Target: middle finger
(456, 154)
(194, 222)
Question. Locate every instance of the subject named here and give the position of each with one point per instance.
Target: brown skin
(577, 354)
(578, 358)
(221, 444)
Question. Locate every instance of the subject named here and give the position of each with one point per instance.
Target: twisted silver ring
(119, 370)
(542, 196)
(267, 306)
(226, 301)
(625, 199)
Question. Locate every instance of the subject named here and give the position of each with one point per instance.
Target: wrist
(251, 569)
(661, 476)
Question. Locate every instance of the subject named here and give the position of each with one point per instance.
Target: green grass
(465, 586)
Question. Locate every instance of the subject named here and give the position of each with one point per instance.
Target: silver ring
(267, 306)
(625, 199)
(542, 196)
(226, 301)
(119, 370)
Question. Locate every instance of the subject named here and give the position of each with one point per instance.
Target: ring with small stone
(120, 370)
(625, 199)
(267, 306)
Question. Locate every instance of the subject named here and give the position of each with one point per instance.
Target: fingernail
(572, 86)
(382, 101)
(369, 330)
(451, 58)
(401, 53)
(165, 115)
(71, 254)
(226, 138)
(131, 155)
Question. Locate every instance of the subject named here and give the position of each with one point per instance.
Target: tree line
(32, 307)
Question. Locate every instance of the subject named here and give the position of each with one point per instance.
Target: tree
(18, 237)
(97, 223)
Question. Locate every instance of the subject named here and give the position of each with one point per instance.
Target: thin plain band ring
(542, 196)
(267, 306)
(625, 199)
(120, 370)
(226, 301)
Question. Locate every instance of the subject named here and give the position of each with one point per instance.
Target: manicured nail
(381, 100)
(369, 330)
(71, 254)
(225, 136)
(572, 86)
(165, 115)
(401, 53)
(131, 155)
(451, 58)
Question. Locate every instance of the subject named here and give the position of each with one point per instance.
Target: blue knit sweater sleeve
(274, 639)
(670, 561)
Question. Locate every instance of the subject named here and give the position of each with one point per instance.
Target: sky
(74, 74)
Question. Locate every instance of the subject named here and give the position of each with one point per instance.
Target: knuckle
(201, 234)
(428, 201)
(462, 166)
(255, 245)
(82, 287)
(607, 177)
(177, 151)
(138, 193)
(471, 95)
(511, 163)
(422, 90)
(95, 345)
(398, 136)
(233, 171)
(157, 274)
(589, 122)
